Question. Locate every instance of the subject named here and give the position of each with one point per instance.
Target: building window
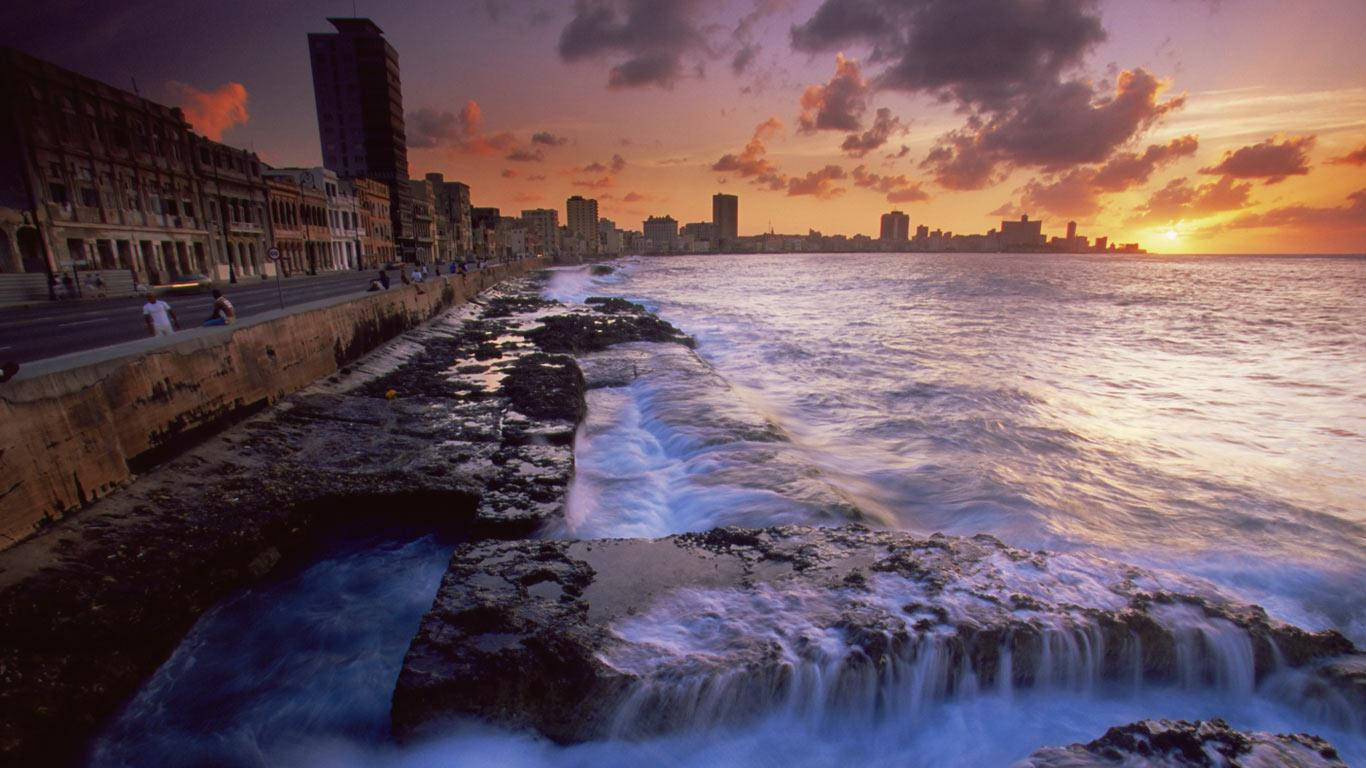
(57, 192)
(89, 197)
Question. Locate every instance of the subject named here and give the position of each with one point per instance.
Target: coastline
(476, 443)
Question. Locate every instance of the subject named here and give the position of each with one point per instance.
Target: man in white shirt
(159, 316)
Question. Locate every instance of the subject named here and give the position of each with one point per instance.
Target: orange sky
(1186, 125)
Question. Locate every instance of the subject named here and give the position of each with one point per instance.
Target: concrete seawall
(75, 428)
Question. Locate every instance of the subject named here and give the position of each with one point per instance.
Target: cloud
(752, 162)
(536, 177)
(1009, 66)
(898, 189)
(884, 125)
(905, 150)
(1270, 160)
(635, 197)
(837, 105)
(1068, 124)
(604, 182)
(211, 112)
(1179, 200)
(521, 155)
(744, 57)
(982, 53)
(508, 173)
(1355, 157)
(614, 166)
(1076, 193)
(648, 38)
(1351, 216)
(820, 184)
(548, 139)
(462, 132)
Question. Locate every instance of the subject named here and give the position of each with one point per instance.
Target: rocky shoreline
(465, 428)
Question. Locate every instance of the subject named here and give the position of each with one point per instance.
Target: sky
(1213, 126)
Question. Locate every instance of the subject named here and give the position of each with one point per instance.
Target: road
(60, 327)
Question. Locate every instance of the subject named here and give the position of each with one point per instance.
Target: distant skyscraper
(725, 214)
(360, 111)
(896, 226)
(1071, 230)
(922, 232)
(582, 215)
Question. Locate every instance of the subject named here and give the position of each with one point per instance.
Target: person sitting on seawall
(159, 316)
(384, 279)
(223, 311)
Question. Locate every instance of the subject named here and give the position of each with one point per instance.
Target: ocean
(1203, 417)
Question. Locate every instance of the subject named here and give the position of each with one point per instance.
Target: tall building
(660, 233)
(544, 225)
(1022, 234)
(725, 215)
(360, 110)
(1071, 230)
(582, 215)
(896, 227)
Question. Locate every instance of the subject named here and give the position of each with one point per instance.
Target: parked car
(193, 283)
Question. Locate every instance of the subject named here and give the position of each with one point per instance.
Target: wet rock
(579, 332)
(637, 637)
(1187, 744)
(602, 269)
(546, 387)
(462, 449)
(612, 306)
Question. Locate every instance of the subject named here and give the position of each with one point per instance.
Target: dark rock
(88, 615)
(612, 306)
(616, 646)
(1187, 744)
(577, 333)
(602, 269)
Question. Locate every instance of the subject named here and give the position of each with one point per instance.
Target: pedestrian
(384, 279)
(462, 271)
(159, 316)
(223, 311)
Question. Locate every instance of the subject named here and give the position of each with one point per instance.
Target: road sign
(274, 254)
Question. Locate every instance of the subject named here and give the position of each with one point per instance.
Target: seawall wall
(73, 429)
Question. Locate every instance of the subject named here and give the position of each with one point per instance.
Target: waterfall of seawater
(300, 673)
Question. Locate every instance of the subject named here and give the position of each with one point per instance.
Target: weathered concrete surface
(462, 427)
(71, 436)
(588, 639)
(1187, 744)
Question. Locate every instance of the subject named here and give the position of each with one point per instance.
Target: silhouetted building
(360, 110)
(660, 233)
(895, 227)
(725, 215)
(582, 216)
(1024, 234)
(1071, 230)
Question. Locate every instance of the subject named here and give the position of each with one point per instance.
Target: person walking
(384, 279)
(159, 316)
(223, 311)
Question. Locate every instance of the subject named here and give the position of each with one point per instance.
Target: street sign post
(274, 254)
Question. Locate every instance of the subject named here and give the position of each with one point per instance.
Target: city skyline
(1143, 133)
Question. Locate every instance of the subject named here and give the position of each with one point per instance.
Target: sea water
(1202, 416)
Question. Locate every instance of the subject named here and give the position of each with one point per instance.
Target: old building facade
(376, 227)
(94, 178)
(234, 205)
